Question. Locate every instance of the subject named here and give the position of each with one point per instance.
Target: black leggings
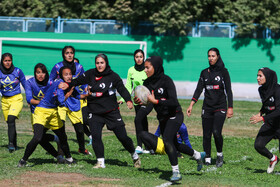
(97, 144)
(265, 135)
(150, 140)
(169, 128)
(85, 120)
(141, 121)
(38, 138)
(79, 129)
(12, 133)
(213, 125)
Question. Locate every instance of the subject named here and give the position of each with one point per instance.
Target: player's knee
(258, 145)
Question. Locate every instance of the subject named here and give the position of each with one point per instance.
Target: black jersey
(103, 98)
(165, 93)
(217, 89)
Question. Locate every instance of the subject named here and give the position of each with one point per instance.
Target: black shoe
(219, 161)
(21, 163)
(11, 147)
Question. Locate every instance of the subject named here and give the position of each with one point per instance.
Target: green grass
(243, 165)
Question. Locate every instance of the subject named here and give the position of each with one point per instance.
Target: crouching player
(46, 117)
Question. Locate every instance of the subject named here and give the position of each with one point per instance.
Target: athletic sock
(273, 158)
(175, 168)
(196, 155)
(219, 153)
(102, 161)
(56, 139)
(134, 155)
(208, 160)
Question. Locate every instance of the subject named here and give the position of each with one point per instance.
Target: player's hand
(120, 102)
(229, 112)
(152, 99)
(256, 118)
(88, 89)
(63, 86)
(69, 93)
(137, 100)
(129, 105)
(189, 111)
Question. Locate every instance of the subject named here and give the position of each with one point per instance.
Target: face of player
(100, 64)
(261, 78)
(69, 55)
(40, 75)
(149, 69)
(139, 58)
(7, 62)
(212, 57)
(67, 75)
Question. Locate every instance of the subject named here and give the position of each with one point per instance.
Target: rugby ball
(142, 92)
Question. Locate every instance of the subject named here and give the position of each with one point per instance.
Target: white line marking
(165, 184)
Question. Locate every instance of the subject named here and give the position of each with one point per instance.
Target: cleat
(272, 165)
(199, 161)
(86, 152)
(139, 150)
(219, 161)
(98, 165)
(21, 163)
(137, 163)
(176, 176)
(60, 159)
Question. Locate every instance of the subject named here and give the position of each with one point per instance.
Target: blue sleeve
(60, 96)
(183, 131)
(53, 74)
(22, 78)
(28, 92)
(157, 133)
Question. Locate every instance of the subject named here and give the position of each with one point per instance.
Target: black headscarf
(106, 71)
(267, 89)
(219, 65)
(157, 63)
(2, 67)
(71, 64)
(44, 70)
(142, 66)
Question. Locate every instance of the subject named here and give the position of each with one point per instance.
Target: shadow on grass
(256, 170)
(40, 161)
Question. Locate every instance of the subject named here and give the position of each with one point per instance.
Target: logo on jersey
(212, 87)
(7, 83)
(89, 115)
(102, 85)
(271, 99)
(217, 78)
(160, 90)
(40, 95)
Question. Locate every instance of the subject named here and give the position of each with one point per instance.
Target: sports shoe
(86, 152)
(139, 150)
(199, 161)
(21, 163)
(70, 162)
(219, 161)
(98, 165)
(11, 147)
(176, 176)
(137, 163)
(208, 161)
(90, 142)
(60, 159)
(272, 165)
(146, 152)
(152, 152)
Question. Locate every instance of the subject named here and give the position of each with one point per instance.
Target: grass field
(243, 165)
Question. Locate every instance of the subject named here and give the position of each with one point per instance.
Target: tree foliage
(169, 16)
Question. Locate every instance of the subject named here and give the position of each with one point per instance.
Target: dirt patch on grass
(33, 178)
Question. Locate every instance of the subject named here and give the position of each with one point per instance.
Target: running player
(135, 77)
(169, 113)
(72, 106)
(217, 104)
(36, 88)
(12, 100)
(46, 117)
(269, 114)
(103, 107)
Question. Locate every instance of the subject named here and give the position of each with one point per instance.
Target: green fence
(184, 57)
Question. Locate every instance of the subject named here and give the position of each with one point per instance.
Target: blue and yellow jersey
(10, 83)
(54, 96)
(79, 71)
(73, 102)
(35, 91)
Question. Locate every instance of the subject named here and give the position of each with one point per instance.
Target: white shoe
(98, 165)
(139, 150)
(146, 152)
(272, 165)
